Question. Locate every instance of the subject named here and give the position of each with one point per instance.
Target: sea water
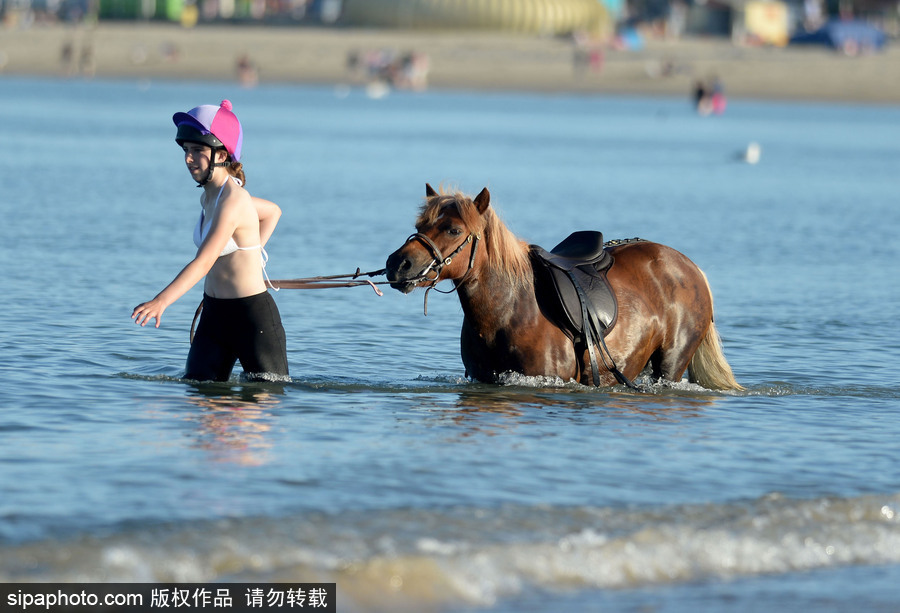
(379, 466)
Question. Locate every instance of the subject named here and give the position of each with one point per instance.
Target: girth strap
(588, 335)
(588, 331)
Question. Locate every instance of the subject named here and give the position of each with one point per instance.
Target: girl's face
(197, 159)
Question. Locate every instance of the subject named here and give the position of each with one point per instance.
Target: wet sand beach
(456, 60)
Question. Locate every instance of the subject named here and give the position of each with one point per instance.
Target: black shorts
(246, 329)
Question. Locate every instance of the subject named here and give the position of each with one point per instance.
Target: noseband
(438, 262)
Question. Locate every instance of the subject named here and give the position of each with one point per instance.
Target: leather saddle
(574, 293)
(574, 275)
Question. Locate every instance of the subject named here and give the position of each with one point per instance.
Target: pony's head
(455, 237)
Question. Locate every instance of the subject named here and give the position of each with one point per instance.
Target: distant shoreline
(476, 61)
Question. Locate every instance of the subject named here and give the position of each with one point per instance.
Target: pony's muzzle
(400, 272)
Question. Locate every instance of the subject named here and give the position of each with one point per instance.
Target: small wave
(263, 377)
(239, 378)
(307, 382)
(443, 382)
(156, 377)
(783, 388)
(448, 379)
(645, 385)
(427, 559)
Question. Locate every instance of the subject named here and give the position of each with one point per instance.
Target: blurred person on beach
(239, 320)
(709, 98)
(247, 74)
(66, 58)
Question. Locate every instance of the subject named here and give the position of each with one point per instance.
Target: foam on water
(421, 558)
(450, 382)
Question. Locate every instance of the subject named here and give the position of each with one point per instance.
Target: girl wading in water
(240, 320)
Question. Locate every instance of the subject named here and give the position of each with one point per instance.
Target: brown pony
(665, 308)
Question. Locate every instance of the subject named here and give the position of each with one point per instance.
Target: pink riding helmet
(218, 121)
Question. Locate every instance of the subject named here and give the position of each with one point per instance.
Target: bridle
(438, 262)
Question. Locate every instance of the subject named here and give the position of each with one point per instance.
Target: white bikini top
(201, 230)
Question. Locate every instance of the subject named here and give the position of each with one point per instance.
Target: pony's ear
(429, 191)
(482, 201)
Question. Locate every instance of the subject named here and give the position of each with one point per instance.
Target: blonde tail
(709, 367)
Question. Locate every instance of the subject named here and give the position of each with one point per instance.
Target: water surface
(379, 466)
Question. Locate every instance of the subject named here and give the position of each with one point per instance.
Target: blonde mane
(506, 253)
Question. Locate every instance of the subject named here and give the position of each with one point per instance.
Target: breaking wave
(412, 559)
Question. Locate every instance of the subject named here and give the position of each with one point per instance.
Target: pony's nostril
(398, 265)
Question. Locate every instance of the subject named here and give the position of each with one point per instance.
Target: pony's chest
(534, 350)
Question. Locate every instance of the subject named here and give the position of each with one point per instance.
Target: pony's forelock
(506, 253)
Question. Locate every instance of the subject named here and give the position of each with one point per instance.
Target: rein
(328, 281)
(324, 282)
(438, 261)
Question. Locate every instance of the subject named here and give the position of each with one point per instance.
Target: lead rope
(310, 283)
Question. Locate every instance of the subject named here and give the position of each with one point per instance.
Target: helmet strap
(212, 166)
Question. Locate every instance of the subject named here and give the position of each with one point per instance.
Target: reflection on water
(491, 410)
(233, 421)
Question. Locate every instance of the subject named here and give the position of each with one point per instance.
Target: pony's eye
(454, 231)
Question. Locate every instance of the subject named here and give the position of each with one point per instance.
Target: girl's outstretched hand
(146, 311)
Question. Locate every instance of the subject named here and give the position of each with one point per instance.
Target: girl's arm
(223, 226)
(269, 213)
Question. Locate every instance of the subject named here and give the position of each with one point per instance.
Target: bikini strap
(265, 260)
(221, 189)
